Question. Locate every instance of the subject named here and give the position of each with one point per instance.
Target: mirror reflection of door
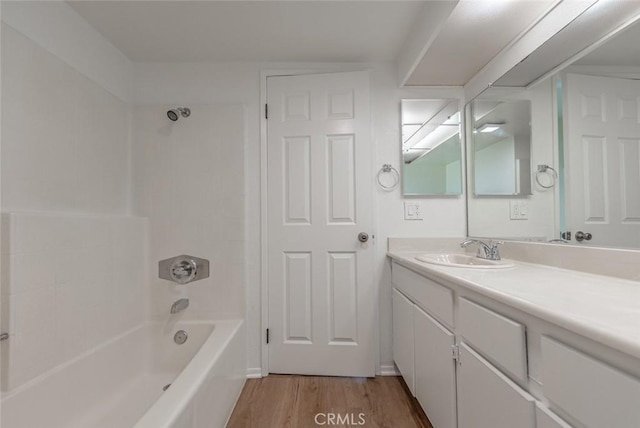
(501, 138)
(602, 159)
(431, 147)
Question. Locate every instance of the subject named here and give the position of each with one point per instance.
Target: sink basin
(463, 260)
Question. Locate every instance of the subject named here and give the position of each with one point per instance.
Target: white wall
(192, 84)
(490, 216)
(495, 168)
(443, 216)
(189, 182)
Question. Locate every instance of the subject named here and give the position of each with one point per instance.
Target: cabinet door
(403, 337)
(435, 375)
(591, 391)
(487, 398)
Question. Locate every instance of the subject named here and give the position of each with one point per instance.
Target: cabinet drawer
(594, 393)
(487, 398)
(434, 298)
(545, 418)
(501, 340)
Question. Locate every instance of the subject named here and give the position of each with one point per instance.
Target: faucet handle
(495, 252)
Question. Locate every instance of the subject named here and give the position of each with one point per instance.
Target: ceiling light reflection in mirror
(501, 147)
(431, 147)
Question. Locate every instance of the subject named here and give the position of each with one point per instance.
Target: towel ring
(387, 168)
(544, 169)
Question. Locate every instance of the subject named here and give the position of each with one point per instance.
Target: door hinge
(267, 335)
(455, 352)
(266, 111)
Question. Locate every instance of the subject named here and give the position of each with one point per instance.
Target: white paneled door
(321, 290)
(602, 150)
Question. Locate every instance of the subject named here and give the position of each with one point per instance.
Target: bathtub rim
(176, 399)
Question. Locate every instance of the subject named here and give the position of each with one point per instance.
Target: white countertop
(602, 308)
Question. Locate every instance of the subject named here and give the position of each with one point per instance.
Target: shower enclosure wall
(95, 190)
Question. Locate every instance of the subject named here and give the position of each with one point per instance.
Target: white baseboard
(389, 370)
(254, 373)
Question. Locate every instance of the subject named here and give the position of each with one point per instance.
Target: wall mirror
(501, 147)
(431, 147)
(585, 121)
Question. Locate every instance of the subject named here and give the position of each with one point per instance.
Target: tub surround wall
(69, 283)
(72, 262)
(189, 182)
(65, 139)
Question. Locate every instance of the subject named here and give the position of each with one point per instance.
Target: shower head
(174, 114)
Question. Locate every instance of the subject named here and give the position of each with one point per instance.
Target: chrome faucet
(485, 251)
(179, 306)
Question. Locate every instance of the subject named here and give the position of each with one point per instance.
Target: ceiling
(474, 33)
(305, 31)
(623, 50)
(316, 31)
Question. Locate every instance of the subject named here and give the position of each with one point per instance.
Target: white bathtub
(120, 384)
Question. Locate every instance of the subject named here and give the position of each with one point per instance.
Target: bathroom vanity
(525, 346)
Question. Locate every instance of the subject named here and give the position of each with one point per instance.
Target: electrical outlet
(412, 211)
(518, 210)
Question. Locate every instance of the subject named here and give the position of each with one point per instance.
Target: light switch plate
(518, 210)
(412, 210)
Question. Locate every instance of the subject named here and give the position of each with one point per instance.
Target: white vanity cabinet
(499, 339)
(403, 340)
(487, 398)
(423, 345)
(591, 391)
(435, 372)
(462, 373)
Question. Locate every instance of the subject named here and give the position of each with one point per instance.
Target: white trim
(389, 370)
(556, 153)
(254, 373)
(586, 51)
(375, 277)
(422, 35)
(558, 15)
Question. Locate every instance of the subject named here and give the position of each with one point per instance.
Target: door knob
(363, 237)
(580, 235)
